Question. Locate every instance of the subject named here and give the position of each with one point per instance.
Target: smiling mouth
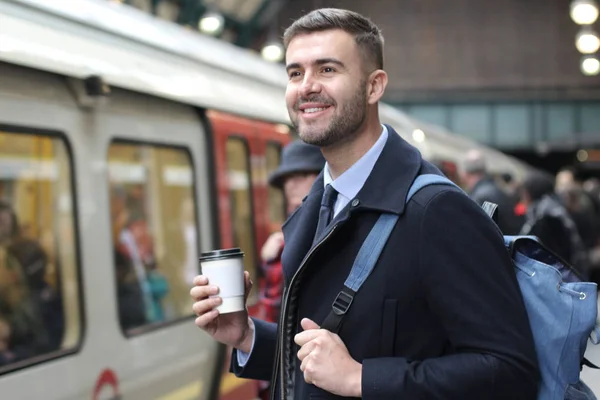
(313, 110)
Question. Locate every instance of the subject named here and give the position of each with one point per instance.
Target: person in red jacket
(300, 165)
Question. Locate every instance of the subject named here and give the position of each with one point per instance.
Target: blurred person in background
(581, 210)
(46, 299)
(583, 205)
(28, 335)
(591, 188)
(300, 165)
(447, 168)
(512, 188)
(564, 178)
(548, 219)
(482, 187)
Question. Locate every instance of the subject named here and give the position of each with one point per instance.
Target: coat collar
(397, 167)
(385, 190)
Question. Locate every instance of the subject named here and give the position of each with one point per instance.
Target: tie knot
(329, 197)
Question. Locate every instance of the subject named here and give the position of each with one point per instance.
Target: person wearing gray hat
(297, 158)
(300, 165)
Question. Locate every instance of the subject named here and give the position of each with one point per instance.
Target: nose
(309, 86)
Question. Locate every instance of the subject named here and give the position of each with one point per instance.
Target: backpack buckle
(342, 303)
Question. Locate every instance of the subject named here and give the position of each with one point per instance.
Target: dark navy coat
(440, 317)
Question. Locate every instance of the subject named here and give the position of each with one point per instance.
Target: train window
(277, 214)
(240, 194)
(40, 312)
(154, 233)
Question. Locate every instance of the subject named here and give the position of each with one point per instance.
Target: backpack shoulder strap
(369, 254)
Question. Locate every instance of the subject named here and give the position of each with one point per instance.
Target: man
(481, 188)
(441, 315)
(300, 165)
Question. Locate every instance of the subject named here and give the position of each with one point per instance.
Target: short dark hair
(367, 35)
(538, 184)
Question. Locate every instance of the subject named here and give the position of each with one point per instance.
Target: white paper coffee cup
(225, 269)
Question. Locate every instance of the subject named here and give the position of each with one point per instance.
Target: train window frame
(152, 327)
(256, 262)
(279, 147)
(26, 130)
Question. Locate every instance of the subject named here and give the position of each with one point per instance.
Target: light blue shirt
(347, 185)
(353, 179)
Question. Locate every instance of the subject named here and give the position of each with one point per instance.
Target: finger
(202, 292)
(308, 375)
(204, 306)
(200, 280)
(309, 324)
(306, 350)
(304, 337)
(204, 320)
(247, 281)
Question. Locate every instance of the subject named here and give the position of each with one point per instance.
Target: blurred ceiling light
(587, 41)
(273, 51)
(590, 65)
(212, 23)
(418, 135)
(582, 155)
(584, 12)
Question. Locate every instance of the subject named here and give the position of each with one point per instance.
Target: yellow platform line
(188, 392)
(230, 382)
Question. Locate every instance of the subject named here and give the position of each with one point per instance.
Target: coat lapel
(299, 230)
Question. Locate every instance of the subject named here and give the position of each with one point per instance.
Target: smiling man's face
(326, 94)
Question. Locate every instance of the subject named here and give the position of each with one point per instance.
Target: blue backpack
(561, 307)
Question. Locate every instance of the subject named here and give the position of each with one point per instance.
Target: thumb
(308, 324)
(247, 283)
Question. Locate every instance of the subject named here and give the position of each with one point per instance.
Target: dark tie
(326, 211)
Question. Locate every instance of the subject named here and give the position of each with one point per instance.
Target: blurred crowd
(563, 211)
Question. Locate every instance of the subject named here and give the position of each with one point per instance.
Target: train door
(246, 152)
(112, 206)
(157, 184)
(43, 321)
(233, 145)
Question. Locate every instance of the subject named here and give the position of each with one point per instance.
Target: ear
(376, 88)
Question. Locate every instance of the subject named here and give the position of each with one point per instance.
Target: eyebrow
(320, 61)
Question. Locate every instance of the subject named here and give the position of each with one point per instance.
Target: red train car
(246, 152)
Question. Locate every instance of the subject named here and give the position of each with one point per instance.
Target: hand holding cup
(220, 295)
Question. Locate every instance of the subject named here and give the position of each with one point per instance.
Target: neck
(341, 156)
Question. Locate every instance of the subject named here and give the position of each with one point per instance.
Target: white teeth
(312, 110)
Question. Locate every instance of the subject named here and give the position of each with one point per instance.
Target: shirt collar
(353, 179)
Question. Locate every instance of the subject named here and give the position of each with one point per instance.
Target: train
(128, 146)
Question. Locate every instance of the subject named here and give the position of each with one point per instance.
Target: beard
(344, 124)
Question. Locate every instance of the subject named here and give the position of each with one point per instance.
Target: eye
(294, 74)
(328, 70)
